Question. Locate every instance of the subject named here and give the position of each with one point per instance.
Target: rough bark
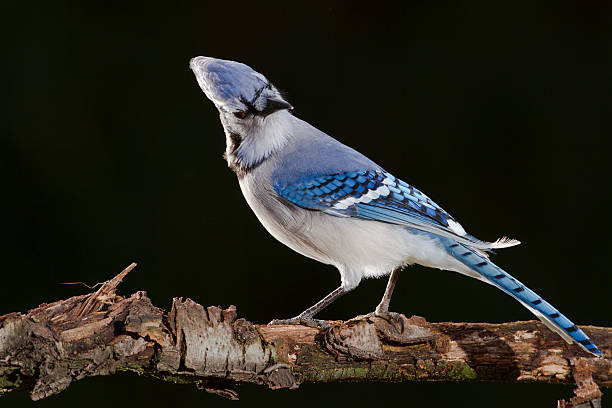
(46, 349)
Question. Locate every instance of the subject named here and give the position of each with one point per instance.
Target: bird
(331, 203)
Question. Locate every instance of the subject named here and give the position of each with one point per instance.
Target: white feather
(365, 198)
(456, 227)
(504, 242)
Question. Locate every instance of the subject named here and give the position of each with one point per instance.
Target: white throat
(261, 140)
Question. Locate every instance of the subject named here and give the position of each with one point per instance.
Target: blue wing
(378, 196)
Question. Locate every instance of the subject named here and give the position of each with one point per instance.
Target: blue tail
(493, 274)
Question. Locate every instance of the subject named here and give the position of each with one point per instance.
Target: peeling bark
(46, 349)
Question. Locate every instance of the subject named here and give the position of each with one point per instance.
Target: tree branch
(54, 344)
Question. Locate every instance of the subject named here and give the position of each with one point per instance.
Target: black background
(110, 153)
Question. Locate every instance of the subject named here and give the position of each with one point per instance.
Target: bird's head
(241, 94)
(246, 101)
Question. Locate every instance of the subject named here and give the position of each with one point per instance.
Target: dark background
(110, 153)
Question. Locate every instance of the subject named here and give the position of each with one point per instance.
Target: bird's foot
(394, 319)
(303, 320)
(400, 329)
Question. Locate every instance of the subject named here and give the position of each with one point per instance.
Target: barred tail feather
(493, 274)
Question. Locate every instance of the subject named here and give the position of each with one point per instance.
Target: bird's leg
(383, 306)
(382, 310)
(306, 317)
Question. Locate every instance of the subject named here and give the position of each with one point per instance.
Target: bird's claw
(303, 320)
(393, 318)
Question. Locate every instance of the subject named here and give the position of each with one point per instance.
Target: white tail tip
(504, 242)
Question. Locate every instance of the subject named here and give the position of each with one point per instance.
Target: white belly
(358, 248)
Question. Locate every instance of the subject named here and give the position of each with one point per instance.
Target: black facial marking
(272, 105)
(249, 105)
(236, 140)
(241, 170)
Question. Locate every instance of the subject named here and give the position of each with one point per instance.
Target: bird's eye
(240, 114)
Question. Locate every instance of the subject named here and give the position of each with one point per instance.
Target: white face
(241, 122)
(261, 138)
(239, 126)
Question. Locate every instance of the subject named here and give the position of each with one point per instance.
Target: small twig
(102, 295)
(84, 284)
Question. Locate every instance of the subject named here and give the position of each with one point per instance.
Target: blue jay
(331, 203)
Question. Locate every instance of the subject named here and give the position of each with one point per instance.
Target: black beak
(274, 105)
